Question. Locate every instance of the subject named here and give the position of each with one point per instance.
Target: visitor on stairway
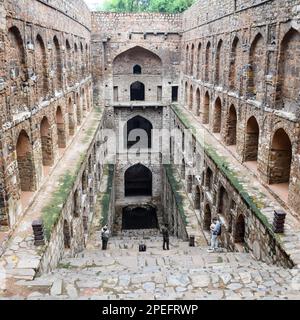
(105, 236)
(215, 230)
(166, 237)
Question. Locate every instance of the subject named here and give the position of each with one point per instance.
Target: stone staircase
(139, 234)
(184, 272)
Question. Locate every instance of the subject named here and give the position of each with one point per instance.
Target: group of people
(215, 229)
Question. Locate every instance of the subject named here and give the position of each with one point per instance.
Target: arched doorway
(205, 119)
(209, 179)
(198, 102)
(280, 158)
(137, 69)
(223, 202)
(61, 135)
(231, 126)
(67, 235)
(190, 179)
(182, 169)
(135, 218)
(252, 138)
(197, 198)
(137, 91)
(78, 109)
(25, 163)
(207, 218)
(191, 99)
(140, 129)
(240, 230)
(46, 140)
(71, 118)
(217, 116)
(138, 181)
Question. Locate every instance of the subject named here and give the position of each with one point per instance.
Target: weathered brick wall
(34, 90)
(240, 61)
(115, 33)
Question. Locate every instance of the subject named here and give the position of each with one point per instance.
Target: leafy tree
(172, 6)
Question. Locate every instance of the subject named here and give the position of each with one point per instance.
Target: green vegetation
(164, 6)
(51, 213)
(176, 186)
(106, 198)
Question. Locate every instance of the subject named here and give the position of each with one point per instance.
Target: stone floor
(184, 272)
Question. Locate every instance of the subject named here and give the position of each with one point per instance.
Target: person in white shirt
(104, 237)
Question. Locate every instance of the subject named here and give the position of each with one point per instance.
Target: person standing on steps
(166, 237)
(104, 237)
(215, 230)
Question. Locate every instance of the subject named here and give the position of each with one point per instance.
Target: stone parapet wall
(68, 235)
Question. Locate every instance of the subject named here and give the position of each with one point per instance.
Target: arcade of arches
(237, 92)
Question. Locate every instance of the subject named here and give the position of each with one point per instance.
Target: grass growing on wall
(254, 204)
(51, 213)
(176, 186)
(106, 198)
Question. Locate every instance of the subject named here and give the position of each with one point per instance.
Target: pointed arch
(231, 138)
(192, 60)
(139, 123)
(197, 198)
(71, 117)
(41, 62)
(280, 157)
(256, 69)
(137, 69)
(198, 98)
(191, 98)
(219, 63)
(252, 140)
(137, 91)
(57, 64)
(207, 218)
(217, 116)
(289, 75)
(187, 52)
(234, 69)
(199, 61)
(206, 109)
(60, 125)
(47, 144)
(25, 163)
(138, 181)
(240, 227)
(207, 62)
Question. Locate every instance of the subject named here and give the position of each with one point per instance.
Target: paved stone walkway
(181, 273)
(20, 258)
(290, 240)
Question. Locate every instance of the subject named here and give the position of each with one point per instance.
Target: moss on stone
(176, 186)
(51, 213)
(106, 197)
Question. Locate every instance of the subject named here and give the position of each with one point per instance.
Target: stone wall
(115, 33)
(239, 68)
(214, 195)
(69, 235)
(45, 90)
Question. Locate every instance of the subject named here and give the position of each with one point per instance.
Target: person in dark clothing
(104, 237)
(166, 237)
